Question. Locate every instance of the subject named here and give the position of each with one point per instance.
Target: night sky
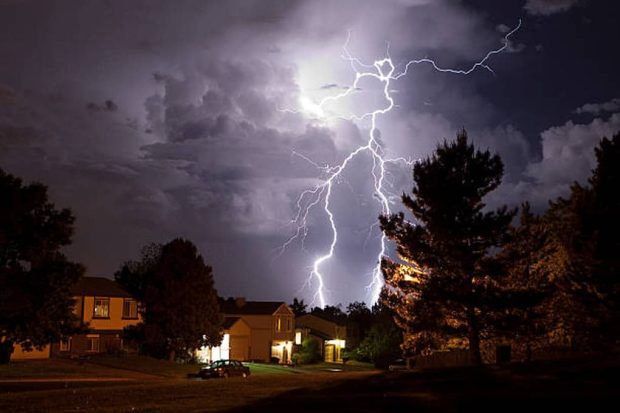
(158, 119)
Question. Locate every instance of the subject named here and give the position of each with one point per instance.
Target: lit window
(65, 345)
(279, 324)
(298, 338)
(92, 344)
(130, 308)
(102, 308)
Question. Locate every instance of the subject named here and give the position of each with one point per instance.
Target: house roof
(229, 322)
(99, 286)
(243, 307)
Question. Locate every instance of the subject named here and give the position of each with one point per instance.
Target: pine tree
(582, 256)
(448, 285)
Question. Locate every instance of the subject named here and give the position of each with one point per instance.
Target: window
(65, 345)
(102, 308)
(298, 338)
(92, 344)
(130, 308)
(279, 324)
(289, 324)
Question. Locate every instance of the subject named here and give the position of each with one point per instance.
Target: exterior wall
(109, 342)
(20, 354)
(330, 329)
(115, 321)
(286, 319)
(263, 333)
(109, 329)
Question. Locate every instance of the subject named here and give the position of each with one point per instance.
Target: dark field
(577, 385)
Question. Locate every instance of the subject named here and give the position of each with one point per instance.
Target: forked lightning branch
(320, 196)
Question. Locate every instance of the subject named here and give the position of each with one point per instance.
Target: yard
(165, 390)
(559, 385)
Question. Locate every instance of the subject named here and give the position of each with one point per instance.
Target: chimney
(239, 301)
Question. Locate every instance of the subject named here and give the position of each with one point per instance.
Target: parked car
(224, 368)
(398, 365)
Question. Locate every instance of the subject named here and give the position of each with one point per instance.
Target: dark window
(92, 344)
(130, 308)
(65, 345)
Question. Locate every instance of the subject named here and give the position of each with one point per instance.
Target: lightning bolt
(385, 72)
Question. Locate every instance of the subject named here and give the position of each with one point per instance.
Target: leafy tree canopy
(36, 304)
(180, 307)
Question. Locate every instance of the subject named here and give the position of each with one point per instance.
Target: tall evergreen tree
(179, 303)
(526, 325)
(36, 304)
(582, 257)
(451, 288)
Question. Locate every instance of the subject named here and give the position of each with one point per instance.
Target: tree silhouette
(180, 307)
(449, 287)
(36, 304)
(299, 307)
(582, 256)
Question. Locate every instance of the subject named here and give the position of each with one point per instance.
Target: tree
(359, 321)
(309, 352)
(36, 304)
(332, 313)
(298, 307)
(582, 256)
(180, 309)
(381, 345)
(450, 284)
(381, 340)
(522, 255)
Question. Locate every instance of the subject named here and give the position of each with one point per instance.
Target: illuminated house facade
(106, 309)
(254, 331)
(330, 335)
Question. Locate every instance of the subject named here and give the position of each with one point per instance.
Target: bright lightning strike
(384, 71)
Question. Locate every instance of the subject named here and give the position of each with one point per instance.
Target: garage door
(239, 347)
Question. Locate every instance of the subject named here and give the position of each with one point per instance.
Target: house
(254, 330)
(105, 308)
(330, 335)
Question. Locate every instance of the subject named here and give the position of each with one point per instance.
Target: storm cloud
(153, 120)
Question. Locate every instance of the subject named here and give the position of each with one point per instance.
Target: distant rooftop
(242, 307)
(99, 286)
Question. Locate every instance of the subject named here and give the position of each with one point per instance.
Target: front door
(284, 355)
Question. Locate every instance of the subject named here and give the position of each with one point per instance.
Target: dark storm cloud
(153, 120)
(547, 7)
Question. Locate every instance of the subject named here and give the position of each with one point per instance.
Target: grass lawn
(145, 365)
(171, 395)
(348, 366)
(260, 368)
(53, 368)
(141, 367)
(588, 385)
